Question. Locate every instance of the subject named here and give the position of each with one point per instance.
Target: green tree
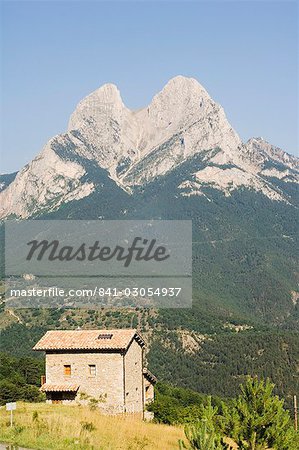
(202, 435)
(258, 420)
(31, 394)
(8, 392)
(20, 379)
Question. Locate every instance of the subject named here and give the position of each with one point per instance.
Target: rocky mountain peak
(181, 99)
(103, 102)
(184, 88)
(181, 124)
(263, 151)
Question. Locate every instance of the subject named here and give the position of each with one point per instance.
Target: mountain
(179, 158)
(137, 147)
(6, 179)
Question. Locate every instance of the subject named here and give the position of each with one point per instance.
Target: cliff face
(137, 147)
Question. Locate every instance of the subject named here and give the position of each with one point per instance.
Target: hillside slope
(179, 158)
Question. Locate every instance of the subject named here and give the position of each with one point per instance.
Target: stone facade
(134, 395)
(105, 385)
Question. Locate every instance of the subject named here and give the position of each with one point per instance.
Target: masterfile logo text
(145, 259)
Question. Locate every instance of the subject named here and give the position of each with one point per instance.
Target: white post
(295, 413)
(9, 407)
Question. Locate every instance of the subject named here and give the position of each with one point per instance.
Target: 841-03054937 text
(98, 292)
(114, 263)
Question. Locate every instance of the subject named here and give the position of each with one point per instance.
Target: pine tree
(258, 420)
(202, 435)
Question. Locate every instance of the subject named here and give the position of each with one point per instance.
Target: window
(92, 370)
(105, 336)
(67, 369)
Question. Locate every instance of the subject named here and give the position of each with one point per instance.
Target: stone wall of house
(107, 383)
(134, 395)
(148, 391)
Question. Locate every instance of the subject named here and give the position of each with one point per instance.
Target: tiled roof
(48, 387)
(88, 340)
(149, 375)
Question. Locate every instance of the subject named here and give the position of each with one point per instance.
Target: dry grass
(41, 426)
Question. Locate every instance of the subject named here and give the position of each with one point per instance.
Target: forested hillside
(198, 357)
(20, 378)
(245, 312)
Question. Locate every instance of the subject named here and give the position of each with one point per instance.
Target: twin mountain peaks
(182, 124)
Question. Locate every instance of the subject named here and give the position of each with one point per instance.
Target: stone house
(102, 366)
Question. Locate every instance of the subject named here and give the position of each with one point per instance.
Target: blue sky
(54, 53)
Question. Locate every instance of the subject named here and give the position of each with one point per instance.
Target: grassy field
(41, 426)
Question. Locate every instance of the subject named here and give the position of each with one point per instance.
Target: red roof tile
(88, 340)
(48, 387)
